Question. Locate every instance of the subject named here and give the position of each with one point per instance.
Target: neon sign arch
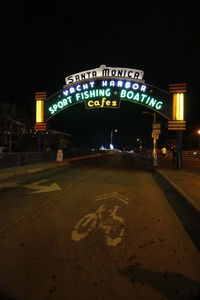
(108, 87)
(104, 92)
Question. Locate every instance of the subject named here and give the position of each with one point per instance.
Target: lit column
(40, 97)
(178, 107)
(178, 123)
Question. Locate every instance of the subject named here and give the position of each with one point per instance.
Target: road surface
(99, 229)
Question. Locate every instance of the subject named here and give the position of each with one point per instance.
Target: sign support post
(179, 142)
(156, 128)
(154, 143)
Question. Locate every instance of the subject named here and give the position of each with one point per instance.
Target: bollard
(59, 155)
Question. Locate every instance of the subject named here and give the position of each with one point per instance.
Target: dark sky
(43, 43)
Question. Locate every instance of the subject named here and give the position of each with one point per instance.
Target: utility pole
(155, 158)
(155, 135)
(111, 136)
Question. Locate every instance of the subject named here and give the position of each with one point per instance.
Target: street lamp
(111, 137)
(140, 144)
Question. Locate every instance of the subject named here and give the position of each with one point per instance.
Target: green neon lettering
(130, 95)
(64, 102)
(148, 100)
(159, 105)
(60, 104)
(137, 97)
(101, 93)
(78, 96)
(69, 98)
(86, 95)
(143, 97)
(152, 102)
(55, 107)
(123, 94)
(51, 110)
(92, 93)
(108, 92)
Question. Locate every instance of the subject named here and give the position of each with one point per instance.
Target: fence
(17, 159)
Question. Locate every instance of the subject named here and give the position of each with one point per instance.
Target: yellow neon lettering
(103, 101)
(96, 103)
(90, 103)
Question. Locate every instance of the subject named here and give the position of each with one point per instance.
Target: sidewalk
(8, 173)
(185, 180)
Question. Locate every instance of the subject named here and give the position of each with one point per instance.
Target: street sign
(156, 129)
(155, 136)
(156, 126)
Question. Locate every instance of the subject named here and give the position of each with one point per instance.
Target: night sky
(43, 43)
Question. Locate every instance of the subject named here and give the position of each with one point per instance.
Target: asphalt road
(99, 229)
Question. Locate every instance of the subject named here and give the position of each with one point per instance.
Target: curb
(187, 198)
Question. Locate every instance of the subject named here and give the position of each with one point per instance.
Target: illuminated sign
(102, 103)
(104, 71)
(107, 93)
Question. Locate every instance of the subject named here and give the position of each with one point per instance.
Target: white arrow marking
(112, 195)
(42, 188)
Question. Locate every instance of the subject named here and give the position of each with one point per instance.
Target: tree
(64, 143)
(11, 118)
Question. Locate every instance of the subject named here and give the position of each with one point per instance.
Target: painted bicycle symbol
(112, 225)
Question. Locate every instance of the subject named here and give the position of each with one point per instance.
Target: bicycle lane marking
(91, 217)
(112, 195)
(89, 221)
